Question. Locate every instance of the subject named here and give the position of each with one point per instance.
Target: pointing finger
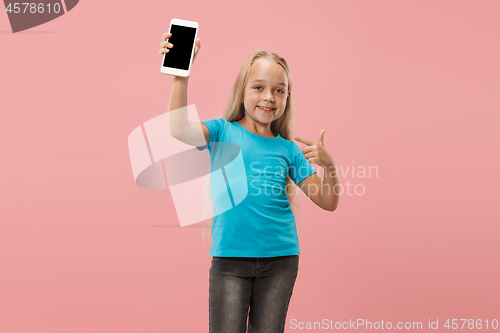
(305, 141)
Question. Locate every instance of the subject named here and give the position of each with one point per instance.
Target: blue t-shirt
(262, 225)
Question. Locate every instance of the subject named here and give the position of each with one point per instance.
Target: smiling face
(267, 87)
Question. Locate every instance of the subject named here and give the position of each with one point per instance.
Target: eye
(257, 87)
(282, 92)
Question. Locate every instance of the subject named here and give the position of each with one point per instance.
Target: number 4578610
(471, 324)
(33, 7)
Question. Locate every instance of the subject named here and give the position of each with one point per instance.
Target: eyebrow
(281, 83)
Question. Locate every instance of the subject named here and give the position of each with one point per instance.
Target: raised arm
(189, 132)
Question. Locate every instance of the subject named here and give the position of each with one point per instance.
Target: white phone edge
(176, 71)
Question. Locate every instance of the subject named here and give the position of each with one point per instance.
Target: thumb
(321, 136)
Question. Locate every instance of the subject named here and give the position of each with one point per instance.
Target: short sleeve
(300, 168)
(215, 128)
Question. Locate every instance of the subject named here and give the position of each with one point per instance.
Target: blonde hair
(285, 126)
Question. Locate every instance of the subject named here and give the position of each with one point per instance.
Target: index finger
(303, 140)
(166, 35)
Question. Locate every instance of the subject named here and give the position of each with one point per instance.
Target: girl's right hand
(166, 46)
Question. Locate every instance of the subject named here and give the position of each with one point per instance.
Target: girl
(255, 246)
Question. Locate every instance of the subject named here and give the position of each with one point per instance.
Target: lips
(270, 110)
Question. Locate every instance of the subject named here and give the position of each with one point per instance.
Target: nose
(268, 96)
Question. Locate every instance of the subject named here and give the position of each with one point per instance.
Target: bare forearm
(330, 188)
(178, 99)
(178, 94)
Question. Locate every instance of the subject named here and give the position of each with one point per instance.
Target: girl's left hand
(315, 151)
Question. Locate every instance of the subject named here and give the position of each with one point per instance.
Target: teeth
(264, 108)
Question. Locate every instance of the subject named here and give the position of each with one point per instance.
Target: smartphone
(180, 57)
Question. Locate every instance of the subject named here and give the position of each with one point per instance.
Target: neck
(256, 127)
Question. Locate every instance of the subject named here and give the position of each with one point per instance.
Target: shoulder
(218, 121)
(291, 146)
(224, 122)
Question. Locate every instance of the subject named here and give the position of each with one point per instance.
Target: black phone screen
(179, 55)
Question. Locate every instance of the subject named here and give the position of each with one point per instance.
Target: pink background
(410, 87)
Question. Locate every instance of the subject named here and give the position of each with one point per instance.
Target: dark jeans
(263, 284)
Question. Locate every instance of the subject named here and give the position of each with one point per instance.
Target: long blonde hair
(285, 126)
